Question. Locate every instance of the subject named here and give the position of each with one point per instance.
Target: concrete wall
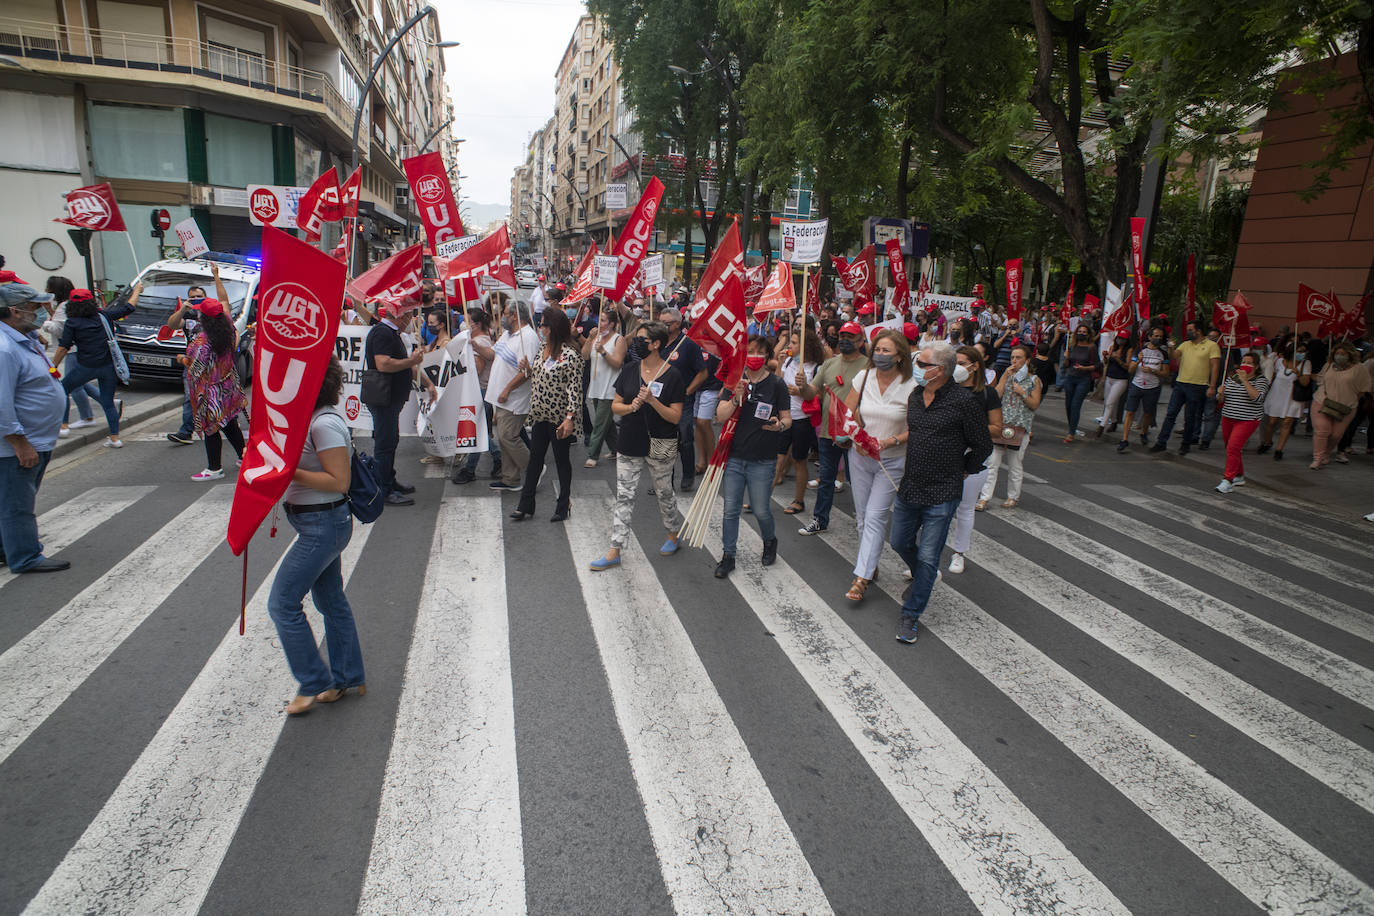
(1328, 242)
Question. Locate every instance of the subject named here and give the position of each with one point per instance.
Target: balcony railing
(38, 43)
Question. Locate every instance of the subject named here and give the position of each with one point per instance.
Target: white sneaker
(813, 483)
(1239, 481)
(64, 432)
(908, 576)
(82, 424)
(208, 474)
(1225, 486)
(1369, 517)
(113, 443)
(956, 563)
(839, 486)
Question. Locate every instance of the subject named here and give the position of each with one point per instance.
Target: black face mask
(639, 347)
(1157, 341)
(847, 346)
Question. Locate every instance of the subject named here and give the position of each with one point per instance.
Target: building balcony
(101, 54)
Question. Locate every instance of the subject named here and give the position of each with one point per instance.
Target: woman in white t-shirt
(316, 505)
(879, 403)
(1280, 409)
(800, 441)
(605, 351)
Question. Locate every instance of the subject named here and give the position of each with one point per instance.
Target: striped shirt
(1238, 404)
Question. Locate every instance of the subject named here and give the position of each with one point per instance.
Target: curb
(143, 409)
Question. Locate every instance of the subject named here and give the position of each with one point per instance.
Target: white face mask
(1022, 374)
(961, 374)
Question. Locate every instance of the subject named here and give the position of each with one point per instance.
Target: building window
(239, 153)
(140, 143)
(135, 27)
(237, 48)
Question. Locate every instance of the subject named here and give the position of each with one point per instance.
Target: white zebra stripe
(1253, 507)
(1334, 760)
(1319, 607)
(1321, 665)
(448, 833)
(40, 671)
(158, 842)
(722, 843)
(68, 523)
(1000, 853)
(1260, 857)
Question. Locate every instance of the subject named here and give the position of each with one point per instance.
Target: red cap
(210, 307)
(866, 308)
(911, 332)
(7, 276)
(851, 327)
(81, 295)
(541, 278)
(1123, 335)
(562, 286)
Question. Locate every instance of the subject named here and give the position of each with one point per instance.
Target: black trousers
(214, 443)
(543, 436)
(687, 437)
(386, 435)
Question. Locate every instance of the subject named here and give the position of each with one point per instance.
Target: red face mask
(1245, 368)
(755, 363)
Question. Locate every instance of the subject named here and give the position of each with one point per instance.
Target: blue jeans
(312, 565)
(831, 456)
(1076, 390)
(105, 376)
(687, 437)
(82, 396)
(1191, 399)
(1211, 418)
(19, 543)
(187, 428)
(918, 536)
(758, 477)
(386, 435)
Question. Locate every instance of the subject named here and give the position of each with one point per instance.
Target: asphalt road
(1140, 697)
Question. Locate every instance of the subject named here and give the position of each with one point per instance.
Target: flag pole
(130, 239)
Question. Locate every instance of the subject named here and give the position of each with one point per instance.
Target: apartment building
(180, 105)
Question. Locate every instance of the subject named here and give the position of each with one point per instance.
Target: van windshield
(162, 289)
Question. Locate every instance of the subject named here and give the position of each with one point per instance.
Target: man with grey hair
(947, 441)
(508, 392)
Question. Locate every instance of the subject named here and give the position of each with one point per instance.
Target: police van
(165, 284)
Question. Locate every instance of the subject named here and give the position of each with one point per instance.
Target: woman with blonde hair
(879, 404)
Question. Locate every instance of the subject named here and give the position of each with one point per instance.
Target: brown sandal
(857, 589)
(796, 506)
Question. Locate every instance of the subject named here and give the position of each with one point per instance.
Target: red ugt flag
(634, 238)
(1353, 326)
(583, 288)
(901, 287)
(857, 276)
(298, 322)
(1142, 291)
(488, 258)
(843, 425)
(94, 208)
(319, 205)
(1231, 319)
(1014, 289)
(1313, 306)
(718, 310)
(433, 196)
(394, 280)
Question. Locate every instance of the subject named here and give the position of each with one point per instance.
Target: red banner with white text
(319, 205)
(490, 257)
(298, 321)
(901, 286)
(433, 197)
(857, 275)
(396, 281)
(1014, 289)
(718, 320)
(777, 291)
(1142, 290)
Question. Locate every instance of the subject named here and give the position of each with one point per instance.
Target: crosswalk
(1137, 699)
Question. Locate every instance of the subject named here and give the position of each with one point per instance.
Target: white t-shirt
(509, 349)
(328, 429)
(1152, 359)
(601, 385)
(883, 413)
(537, 301)
(789, 373)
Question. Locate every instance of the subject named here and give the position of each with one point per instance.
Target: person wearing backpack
(316, 505)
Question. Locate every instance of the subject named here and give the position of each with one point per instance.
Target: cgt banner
(296, 334)
(456, 423)
(348, 347)
(434, 197)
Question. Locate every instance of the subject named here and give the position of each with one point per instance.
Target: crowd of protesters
(947, 407)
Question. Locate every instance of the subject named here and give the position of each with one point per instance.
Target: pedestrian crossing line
(722, 843)
(64, 525)
(448, 834)
(436, 471)
(40, 671)
(1336, 761)
(1006, 860)
(1268, 510)
(1319, 607)
(1288, 552)
(1321, 665)
(158, 842)
(1256, 854)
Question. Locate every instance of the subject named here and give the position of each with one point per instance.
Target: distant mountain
(477, 215)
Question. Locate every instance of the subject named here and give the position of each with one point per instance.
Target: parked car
(166, 282)
(527, 278)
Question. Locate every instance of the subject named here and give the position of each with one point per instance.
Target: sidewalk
(1344, 490)
(142, 400)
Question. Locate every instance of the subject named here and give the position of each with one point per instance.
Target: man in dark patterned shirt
(948, 440)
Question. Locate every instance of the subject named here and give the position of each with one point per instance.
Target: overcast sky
(501, 82)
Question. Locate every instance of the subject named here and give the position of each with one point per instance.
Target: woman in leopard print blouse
(555, 410)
